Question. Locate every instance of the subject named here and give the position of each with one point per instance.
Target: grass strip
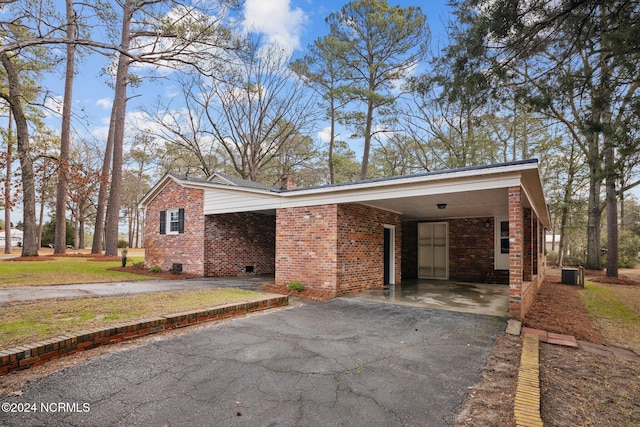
(37, 321)
(63, 271)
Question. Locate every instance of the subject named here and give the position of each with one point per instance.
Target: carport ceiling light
(442, 205)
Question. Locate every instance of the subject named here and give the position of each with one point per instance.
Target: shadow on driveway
(342, 362)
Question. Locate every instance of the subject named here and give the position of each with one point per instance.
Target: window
(504, 237)
(172, 221)
(501, 254)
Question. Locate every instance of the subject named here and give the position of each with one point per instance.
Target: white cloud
(105, 103)
(276, 20)
(53, 106)
(324, 135)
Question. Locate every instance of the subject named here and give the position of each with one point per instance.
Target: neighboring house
(15, 235)
(476, 224)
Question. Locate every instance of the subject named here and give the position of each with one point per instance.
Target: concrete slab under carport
(476, 298)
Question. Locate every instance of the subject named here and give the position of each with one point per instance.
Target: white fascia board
(396, 190)
(241, 200)
(534, 192)
(491, 173)
(230, 200)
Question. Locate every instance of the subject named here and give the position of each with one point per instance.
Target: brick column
(307, 247)
(515, 252)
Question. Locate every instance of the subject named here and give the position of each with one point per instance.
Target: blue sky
(294, 23)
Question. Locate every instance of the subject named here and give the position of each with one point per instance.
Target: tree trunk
(612, 212)
(130, 229)
(137, 230)
(594, 209)
(119, 106)
(29, 243)
(7, 188)
(367, 140)
(76, 234)
(81, 223)
(332, 140)
(41, 216)
(98, 234)
(65, 137)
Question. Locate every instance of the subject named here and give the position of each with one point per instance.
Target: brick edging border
(527, 400)
(31, 355)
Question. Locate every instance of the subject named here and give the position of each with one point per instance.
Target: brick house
(475, 224)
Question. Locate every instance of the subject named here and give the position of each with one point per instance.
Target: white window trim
(175, 211)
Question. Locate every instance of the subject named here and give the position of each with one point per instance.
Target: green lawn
(604, 301)
(62, 271)
(37, 321)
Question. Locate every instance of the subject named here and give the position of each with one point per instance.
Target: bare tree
(256, 108)
(184, 36)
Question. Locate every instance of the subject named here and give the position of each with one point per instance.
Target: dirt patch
(491, 402)
(51, 257)
(307, 293)
(626, 276)
(30, 258)
(579, 388)
(558, 308)
(162, 275)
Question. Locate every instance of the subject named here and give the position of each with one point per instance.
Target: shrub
(123, 244)
(138, 264)
(295, 286)
(155, 269)
(552, 258)
(574, 260)
(628, 249)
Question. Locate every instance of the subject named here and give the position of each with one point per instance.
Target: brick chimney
(287, 183)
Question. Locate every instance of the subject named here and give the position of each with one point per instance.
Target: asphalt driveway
(342, 362)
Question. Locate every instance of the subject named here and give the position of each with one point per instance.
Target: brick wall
(409, 250)
(527, 240)
(163, 250)
(236, 241)
(471, 251)
(361, 247)
(515, 253)
(306, 246)
(335, 248)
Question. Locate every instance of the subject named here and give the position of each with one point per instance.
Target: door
(433, 250)
(389, 255)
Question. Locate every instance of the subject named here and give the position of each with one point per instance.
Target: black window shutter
(163, 222)
(181, 220)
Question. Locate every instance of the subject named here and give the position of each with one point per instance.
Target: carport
(480, 224)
